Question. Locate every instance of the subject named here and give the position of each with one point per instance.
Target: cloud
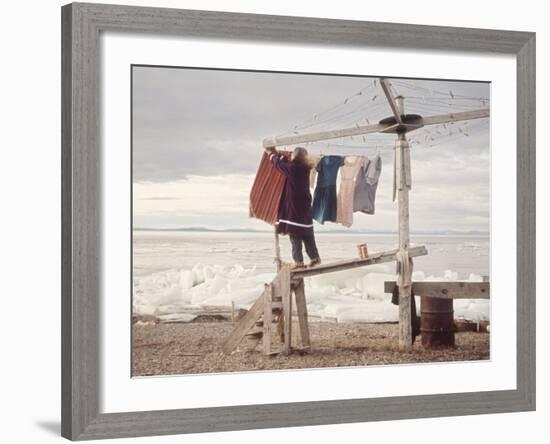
(197, 138)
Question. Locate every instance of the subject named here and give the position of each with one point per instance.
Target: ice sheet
(348, 296)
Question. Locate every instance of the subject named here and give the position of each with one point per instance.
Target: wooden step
(260, 323)
(255, 334)
(251, 326)
(244, 325)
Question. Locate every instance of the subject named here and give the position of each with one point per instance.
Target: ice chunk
(186, 279)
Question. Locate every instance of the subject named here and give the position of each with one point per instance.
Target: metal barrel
(437, 322)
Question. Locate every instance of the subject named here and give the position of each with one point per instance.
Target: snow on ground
(347, 296)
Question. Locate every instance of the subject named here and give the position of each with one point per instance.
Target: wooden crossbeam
(455, 117)
(323, 135)
(446, 290)
(375, 258)
(375, 128)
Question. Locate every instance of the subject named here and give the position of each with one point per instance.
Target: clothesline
(368, 105)
(331, 203)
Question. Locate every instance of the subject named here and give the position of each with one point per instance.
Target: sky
(197, 142)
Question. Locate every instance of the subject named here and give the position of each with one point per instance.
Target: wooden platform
(274, 306)
(375, 258)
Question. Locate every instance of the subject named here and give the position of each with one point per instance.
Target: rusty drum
(437, 323)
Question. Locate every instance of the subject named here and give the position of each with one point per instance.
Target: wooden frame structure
(400, 123)
(82, 416)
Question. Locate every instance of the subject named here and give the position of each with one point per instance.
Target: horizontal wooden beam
(368, 129)
(455, 117)
(323, 135)
(446, 290)
(375, 258)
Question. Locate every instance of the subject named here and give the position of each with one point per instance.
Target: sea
(176, 272)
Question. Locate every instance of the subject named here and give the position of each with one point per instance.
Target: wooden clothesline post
(405, 330)
(402, 182)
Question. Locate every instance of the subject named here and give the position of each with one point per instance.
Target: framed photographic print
(280, 221)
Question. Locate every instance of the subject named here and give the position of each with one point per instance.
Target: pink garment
(348, 177)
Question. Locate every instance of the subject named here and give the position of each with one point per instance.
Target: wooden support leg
(301, 308)
(281, 328)
(266, 337)
(287, 308)
(277, 251)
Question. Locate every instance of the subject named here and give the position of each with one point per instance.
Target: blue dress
(324, 199)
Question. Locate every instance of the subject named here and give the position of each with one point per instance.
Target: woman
(294, 217)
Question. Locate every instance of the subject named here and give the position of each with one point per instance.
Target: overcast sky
(197, 142)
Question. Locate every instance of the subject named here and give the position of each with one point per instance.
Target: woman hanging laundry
(294, 217)
(324, 201)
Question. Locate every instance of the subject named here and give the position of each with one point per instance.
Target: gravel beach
(189, 348)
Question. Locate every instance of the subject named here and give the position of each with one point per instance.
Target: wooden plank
(284, 286)
(395, 110)
(374, 258)
(268, 318)
(447, 290)
(244, 325)
(301, 308)
(455, 117)
(323, 135)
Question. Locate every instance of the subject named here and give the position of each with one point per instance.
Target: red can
(363, 251)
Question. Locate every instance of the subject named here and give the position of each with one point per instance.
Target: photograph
(287, 220)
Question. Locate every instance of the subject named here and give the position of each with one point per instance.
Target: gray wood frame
(81, 167)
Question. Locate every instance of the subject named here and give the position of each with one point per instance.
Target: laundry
(325, 199)
(366, 185)
(314, 160)
(348, 177)
(267, 190)
(356, 191)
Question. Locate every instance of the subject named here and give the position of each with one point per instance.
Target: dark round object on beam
(437, 322)
(412, 119)
(410, 122)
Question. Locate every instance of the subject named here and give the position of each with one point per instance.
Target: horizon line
(335, 231)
